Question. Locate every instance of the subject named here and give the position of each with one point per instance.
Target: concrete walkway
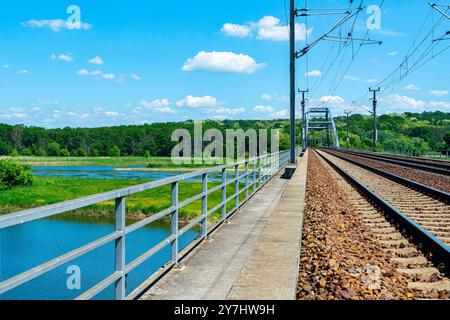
(255, 256)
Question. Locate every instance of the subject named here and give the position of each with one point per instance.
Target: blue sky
(134, 62)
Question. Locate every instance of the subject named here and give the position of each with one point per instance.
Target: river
(107, 172)
(28, 245)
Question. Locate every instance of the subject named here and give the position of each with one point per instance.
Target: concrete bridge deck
(254, 256)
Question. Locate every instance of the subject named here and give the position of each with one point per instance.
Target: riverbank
(47, 191)
(155, 163)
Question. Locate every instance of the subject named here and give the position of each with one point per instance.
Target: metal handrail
(263, 169)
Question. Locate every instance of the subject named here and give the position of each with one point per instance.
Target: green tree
(82, 152)
(64, 152)
(114, 151)
(5, 149)
(26, 152)
(14, 153)
(54, 149)
(447, 139)
(95, 153)
(14, 174)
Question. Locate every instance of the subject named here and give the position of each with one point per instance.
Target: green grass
(152, 162)
(47, 191)
(95, 161)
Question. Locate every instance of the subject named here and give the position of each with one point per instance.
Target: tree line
(134, 140)
(414, 131)
(427, 131)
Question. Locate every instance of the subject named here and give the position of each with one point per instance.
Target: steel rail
(442, 195)
(434, 162)
(424, 166)
(440, 252)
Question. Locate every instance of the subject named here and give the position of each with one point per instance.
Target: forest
(416, 132)
(412, 131)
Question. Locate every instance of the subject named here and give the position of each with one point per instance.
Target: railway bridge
(340, 224)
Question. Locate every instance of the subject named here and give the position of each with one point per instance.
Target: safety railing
(256, 173)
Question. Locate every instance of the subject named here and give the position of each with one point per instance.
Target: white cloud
(82, 116)
(404, 102)
(83, 72)
(6, 66)
(54, 24)
(372, 81)
(266, 28)
(158, 103)
(314, 74)
(263, 109)
(438, 93)
(269, 28)
(62, 57)
(227, 62)
(392, 54)
(397, 102)
(16, 109)
(411, 87)
(219, 117)
(226, 111)
(236, 30)
(96, 60)
(439, 104)
(280, 114)
(109, 76)
(9, 116)
(135, 77)
(266, 97)
(98, 74)
(336, 100)
(166, 110)
(23, 72)
(111, 114)
(197, 102)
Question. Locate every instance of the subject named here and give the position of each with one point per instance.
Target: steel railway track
(410, 223)
(439, 167)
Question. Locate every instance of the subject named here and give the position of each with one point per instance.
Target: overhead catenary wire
(419, 54)
(341, 50)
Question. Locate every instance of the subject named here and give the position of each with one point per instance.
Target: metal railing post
(236, 184)
(205, 205)
(254, 177)
(263, 171)
(224, 193)
(246, 180)
(174, 223)
(265, 168)
(259, 173)
(120, 258)
(272, 166)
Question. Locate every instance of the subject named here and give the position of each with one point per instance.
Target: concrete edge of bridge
(271, 271)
